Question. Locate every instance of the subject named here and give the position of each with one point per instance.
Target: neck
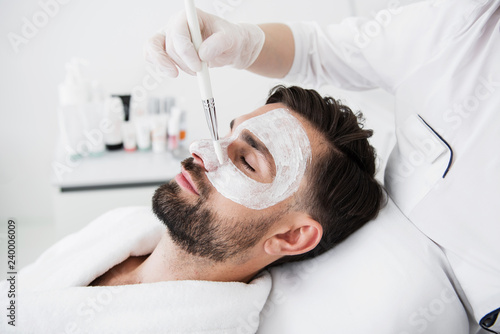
(169, 263)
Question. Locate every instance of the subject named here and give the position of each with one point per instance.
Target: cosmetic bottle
(182, 130)
(174, 128)
(159, 123)
(94, 112)
(114, 116)
(128, 129)
(75, 89)
(159, 133)
(142, 124)
(73, 95)
(129, 139)
(183, 150)
(166, 104)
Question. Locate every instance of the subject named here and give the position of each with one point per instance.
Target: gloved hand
(224, 43)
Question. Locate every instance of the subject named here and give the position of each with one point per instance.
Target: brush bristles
(218, 151)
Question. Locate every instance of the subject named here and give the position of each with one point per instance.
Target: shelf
(115, 169)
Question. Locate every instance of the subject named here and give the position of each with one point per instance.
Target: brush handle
(194, 28)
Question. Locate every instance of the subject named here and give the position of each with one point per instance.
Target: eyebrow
(231, 124)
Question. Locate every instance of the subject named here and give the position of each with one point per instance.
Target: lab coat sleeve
(378, 51)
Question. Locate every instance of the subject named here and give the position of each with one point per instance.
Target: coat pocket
(420, 158)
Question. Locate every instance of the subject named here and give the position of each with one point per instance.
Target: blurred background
(40, 36)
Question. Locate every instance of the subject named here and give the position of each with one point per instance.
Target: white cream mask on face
(289, 146)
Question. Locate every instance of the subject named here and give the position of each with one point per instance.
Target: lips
(184, 180)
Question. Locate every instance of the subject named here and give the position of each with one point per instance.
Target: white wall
(110, 35)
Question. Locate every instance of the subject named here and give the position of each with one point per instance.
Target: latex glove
(224, 43)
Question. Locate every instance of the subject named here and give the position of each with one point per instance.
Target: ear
(299, 236)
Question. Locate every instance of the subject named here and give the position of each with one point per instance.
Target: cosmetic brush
(204, 79)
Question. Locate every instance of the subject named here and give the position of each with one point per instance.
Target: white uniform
(441, 60)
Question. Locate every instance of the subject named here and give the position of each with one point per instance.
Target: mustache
(196, 172)
(194, 169)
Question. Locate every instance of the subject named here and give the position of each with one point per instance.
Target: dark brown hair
(342, 193)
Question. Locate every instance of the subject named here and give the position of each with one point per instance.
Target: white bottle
(142, 124)
(159, 132)
(114, 116)
(75, 89)
(94, 112)
(174, 128)
(159, 123)
(73, 95)
(182, 130)
(143, 132)
(129, 138)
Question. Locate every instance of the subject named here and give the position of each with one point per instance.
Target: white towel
(53, 296)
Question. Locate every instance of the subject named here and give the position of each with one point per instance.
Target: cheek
(226, 209)
(232, 183)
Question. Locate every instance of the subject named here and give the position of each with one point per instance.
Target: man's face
(218, 210)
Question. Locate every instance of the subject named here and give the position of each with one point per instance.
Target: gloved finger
(216, 49)
(163, 64)
(179, 62)
(179, 45)
(154, 53)
(186, 52)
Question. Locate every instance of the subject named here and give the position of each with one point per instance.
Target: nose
(204, 150)
(198, 160)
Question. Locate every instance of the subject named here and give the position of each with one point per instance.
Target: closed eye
(246, 165)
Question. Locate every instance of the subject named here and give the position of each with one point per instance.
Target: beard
(198, 228)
